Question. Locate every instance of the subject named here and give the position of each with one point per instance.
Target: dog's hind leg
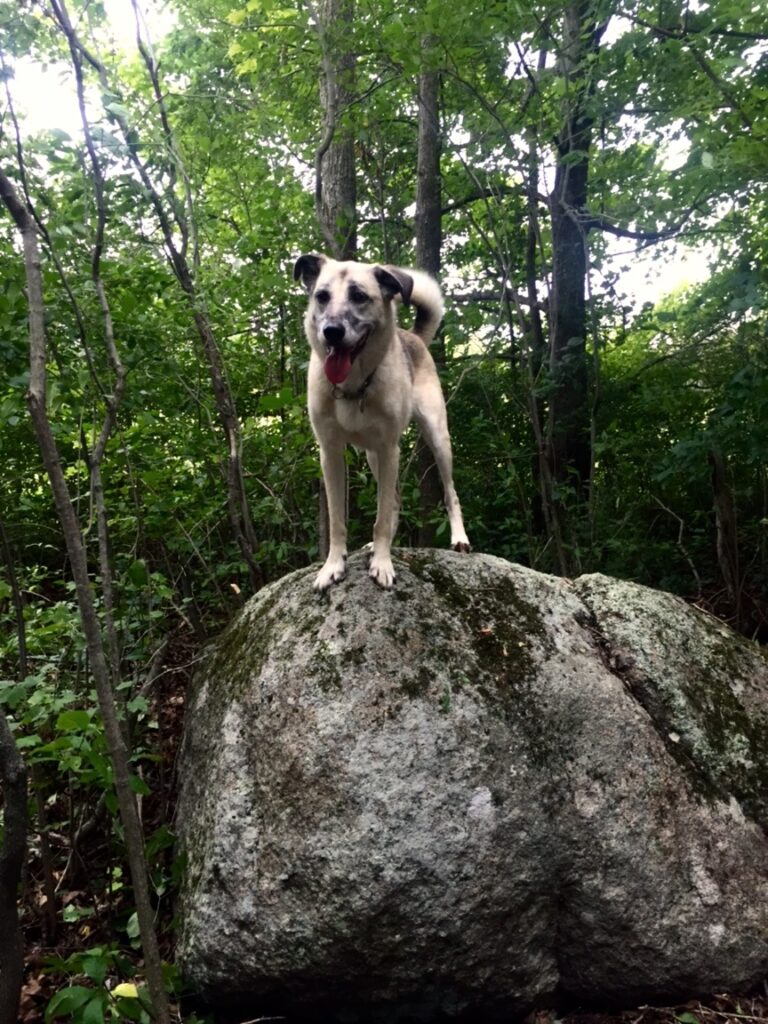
(432, 420)
(385, 465)
(334, 475)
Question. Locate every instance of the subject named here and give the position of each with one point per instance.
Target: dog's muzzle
(338, 361)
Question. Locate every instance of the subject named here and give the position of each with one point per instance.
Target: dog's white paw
(460, 542)
(334, 570)
(382, 570)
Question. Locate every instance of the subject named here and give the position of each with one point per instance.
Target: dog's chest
(362, 421)
(372, 421)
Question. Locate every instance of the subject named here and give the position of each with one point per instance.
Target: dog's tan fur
(392, 380)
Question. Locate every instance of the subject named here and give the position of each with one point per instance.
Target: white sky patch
(674, 150)
(658, 270)
(617, 27)
(158, 20)
(751, 57)
(45, 97)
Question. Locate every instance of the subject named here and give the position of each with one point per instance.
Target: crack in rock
(481, 790)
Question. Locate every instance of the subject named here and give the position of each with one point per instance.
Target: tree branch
(492, 192)
(684, 35)
(602, 222)
(503, 294)
(667, 33)
(237, 502)
(36, 400)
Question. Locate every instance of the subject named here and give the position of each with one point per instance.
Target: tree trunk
(568, 436)
(569, 409)
(727, 532)
(429, 232)
(336, 186)
(335, 180)
(546, 514)
(73, 538)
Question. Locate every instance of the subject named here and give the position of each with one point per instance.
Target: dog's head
(349, 303)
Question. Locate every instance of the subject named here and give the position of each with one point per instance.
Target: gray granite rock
(482, 790)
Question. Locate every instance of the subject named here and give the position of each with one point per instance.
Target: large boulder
(481, 791)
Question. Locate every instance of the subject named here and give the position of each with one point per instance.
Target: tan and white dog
(368, 378)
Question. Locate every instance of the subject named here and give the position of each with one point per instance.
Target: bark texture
(569, 420)
(336, 187)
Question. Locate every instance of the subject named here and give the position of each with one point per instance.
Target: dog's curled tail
(428, 301)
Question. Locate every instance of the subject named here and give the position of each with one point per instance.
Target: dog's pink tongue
(337, 365)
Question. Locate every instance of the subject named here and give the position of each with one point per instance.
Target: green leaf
(117, 109)
(94, 1012)
(161, 839)
(130, 1009)
(73, 913)
(67, 1001)
(138, 785)
(24, 742)
(137, 704)
(137, 573)
(132, 927)
(96, 968)
(73, 721)
(12, 694)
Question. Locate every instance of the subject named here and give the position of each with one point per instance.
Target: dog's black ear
(394, 281)
(308, 268)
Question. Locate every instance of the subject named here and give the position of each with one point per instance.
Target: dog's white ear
(308, 268)
(394, 281)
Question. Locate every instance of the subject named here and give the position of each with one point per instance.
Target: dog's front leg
(334, 475)
(387, 463)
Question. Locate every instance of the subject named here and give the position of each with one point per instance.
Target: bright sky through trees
(45, 97)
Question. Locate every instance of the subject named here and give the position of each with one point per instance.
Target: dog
(368, 378)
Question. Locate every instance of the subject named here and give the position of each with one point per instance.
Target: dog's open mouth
(338, 362)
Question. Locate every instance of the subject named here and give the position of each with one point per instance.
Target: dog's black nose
(333, 333)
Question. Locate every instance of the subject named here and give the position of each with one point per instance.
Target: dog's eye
(322, 296)
(357, 295)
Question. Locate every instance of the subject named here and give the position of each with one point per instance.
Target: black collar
(353, 396)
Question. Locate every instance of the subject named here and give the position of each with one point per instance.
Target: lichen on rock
(483, 789)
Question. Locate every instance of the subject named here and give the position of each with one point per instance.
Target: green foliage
(677, 99)
(110, 993)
